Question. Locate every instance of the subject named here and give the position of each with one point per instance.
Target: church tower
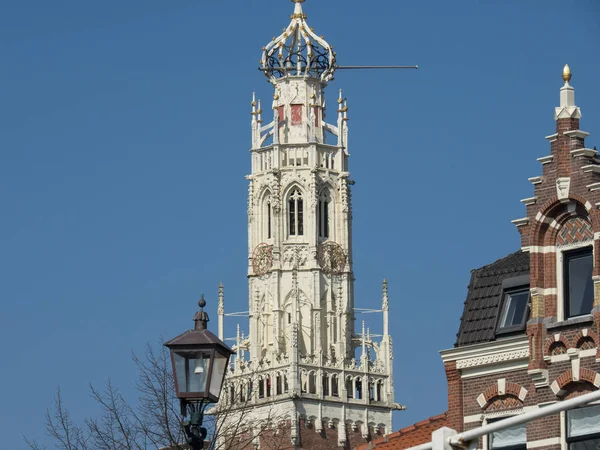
(303, 366)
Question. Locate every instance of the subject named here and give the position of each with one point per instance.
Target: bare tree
(154, 420)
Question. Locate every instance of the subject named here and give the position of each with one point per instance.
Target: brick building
(529, 331)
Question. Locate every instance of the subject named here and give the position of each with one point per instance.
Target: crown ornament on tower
(298, 51)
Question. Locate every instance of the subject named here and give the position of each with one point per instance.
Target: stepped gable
(478, 321)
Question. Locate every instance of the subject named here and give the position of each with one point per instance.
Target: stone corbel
(539, 377)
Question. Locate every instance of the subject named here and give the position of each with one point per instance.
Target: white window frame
(497, 415)
(564, 445)
(560, 283)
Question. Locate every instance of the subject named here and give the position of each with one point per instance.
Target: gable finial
(566, 75)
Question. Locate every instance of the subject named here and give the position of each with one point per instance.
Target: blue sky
(124, 137)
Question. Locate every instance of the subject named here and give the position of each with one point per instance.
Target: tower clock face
(262, 259)
(331, 257)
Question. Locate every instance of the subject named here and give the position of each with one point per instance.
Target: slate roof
(478, 321)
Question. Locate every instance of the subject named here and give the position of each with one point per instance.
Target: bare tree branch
(153, 420)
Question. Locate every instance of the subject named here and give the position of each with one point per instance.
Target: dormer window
(513, 312)
(578, 285)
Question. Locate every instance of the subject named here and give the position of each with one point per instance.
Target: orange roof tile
(418, 433)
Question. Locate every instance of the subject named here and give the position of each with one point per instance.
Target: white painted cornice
(594, 168)
(487, 353)
(589, 152)
(520, 222)
(535, 180)
(529, 201)
(545, 159)
(552, 137)
(540, 249)
(576, 134)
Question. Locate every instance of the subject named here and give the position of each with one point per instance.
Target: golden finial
(566, 76)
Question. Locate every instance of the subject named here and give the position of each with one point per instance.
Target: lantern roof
(298, 51)
(194, 337)
(199, 336)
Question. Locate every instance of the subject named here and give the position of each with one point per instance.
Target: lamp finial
(201, 318)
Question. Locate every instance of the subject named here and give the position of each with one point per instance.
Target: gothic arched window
(323, 215)
(296, 214)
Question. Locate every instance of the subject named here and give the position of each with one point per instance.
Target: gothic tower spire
(302, 343)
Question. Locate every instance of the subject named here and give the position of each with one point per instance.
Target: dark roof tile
(484, 295)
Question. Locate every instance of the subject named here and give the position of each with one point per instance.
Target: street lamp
(200, 360)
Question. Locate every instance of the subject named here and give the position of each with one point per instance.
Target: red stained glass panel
(296, 114)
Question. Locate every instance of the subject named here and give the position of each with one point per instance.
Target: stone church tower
(303, 367)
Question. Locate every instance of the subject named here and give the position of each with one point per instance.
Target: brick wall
(455, 396)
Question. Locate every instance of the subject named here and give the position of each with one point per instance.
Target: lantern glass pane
(180, 371)
(219, 368)
(197, 372)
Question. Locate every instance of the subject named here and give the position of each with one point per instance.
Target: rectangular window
(583, 428)
(513, 438)
(579, 287)
(280, 114)
(513, 312)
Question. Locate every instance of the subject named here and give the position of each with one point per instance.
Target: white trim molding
(490, 357)
(542, 249)
(545, 159)
(520, 222)
(594, 168)
(529, 201)
(589, 152)
(535, 180)
(473, 418)
(576, 134)
(544, 442)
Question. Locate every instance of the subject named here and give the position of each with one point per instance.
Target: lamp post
(200, 360)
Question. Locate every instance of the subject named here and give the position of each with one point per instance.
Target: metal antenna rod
(376, 67)
(294, 68)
